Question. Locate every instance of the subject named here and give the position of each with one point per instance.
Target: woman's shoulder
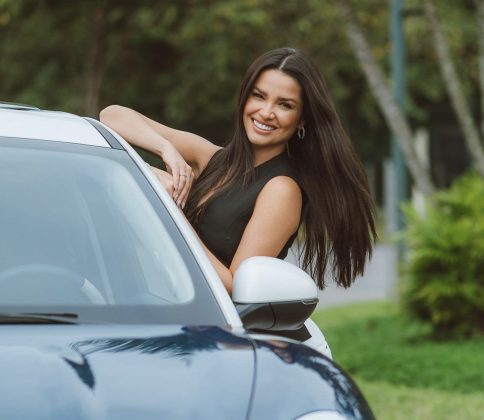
(205, 160)
(280, 166)
(282, 187)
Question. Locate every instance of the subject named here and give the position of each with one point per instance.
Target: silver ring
(185, 175)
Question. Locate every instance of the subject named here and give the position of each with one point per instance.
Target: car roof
(24, 121)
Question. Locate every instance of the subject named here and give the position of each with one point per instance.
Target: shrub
(445, 268)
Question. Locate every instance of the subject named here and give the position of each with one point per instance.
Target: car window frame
(205, 306)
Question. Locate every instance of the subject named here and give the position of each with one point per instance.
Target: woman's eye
(257, 95)
(286, 105)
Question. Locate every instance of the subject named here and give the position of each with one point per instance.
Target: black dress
(223, 222)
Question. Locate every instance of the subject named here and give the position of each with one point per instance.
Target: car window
(86, 229)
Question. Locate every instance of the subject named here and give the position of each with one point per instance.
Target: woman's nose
(267, 112)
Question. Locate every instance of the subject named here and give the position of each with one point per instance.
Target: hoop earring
(301, 132)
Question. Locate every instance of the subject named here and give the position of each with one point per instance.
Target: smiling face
(272, 113)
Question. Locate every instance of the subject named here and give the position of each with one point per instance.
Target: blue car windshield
(82, 228)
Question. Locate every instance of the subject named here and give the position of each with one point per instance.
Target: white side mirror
(272, 294)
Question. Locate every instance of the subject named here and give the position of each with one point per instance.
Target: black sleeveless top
(225, 217)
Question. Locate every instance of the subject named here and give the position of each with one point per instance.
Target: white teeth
(263, 126)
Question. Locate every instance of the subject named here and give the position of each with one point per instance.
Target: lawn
(403, 374)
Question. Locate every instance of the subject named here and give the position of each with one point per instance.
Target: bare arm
(181, 151)
(275, 218)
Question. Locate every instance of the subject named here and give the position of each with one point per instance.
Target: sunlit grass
(402, 373)
(398, 402)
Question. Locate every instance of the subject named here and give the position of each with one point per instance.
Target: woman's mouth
(263, 127)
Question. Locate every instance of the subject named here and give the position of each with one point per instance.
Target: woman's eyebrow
(280, 99)
(288, 100)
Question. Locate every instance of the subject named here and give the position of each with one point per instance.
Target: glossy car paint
(151, 372)
(307, 381)
(164, 372)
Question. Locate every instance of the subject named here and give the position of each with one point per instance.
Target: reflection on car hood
(179, 372)
(307, 380)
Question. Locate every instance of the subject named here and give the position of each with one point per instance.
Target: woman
(289, 163)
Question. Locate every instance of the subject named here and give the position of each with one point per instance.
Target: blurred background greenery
(181, 62)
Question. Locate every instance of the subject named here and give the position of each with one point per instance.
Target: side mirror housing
(271, 294)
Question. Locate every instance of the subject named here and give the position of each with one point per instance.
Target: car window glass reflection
(77, 229)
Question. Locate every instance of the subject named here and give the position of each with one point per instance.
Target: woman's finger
(184, 179)
(165, 180)
(182, 188)
(169, 188)
(175, 173)
(182, 197)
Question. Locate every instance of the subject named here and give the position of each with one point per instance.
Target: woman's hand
(165, 179)
(182, 174)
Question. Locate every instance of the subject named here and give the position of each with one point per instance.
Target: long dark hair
(338, 218)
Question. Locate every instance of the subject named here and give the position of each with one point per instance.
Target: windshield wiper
(38, 318)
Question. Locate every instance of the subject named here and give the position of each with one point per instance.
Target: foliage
(445, 270)
(181, 61)
(401, 373)
(178, 61)
(425, 83)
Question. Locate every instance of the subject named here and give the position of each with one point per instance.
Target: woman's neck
(263, 154)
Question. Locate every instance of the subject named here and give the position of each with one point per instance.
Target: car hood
(54, 372)
(293, 379)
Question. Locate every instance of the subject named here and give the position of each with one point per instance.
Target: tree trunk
(96, 62)
(381, 90)
(480, 42)
(454, 89)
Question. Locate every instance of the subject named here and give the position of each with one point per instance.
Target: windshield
(86, 230)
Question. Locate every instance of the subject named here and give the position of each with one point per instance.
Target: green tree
(454, 88)
(182, 61)
(394, 115)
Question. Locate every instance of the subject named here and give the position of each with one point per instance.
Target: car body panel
(95, 372)
(146, 371)
(308, 381)
(47, 125)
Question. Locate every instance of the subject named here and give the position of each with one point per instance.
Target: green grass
(403, 374)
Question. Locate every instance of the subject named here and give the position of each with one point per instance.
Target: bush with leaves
(445, 268)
